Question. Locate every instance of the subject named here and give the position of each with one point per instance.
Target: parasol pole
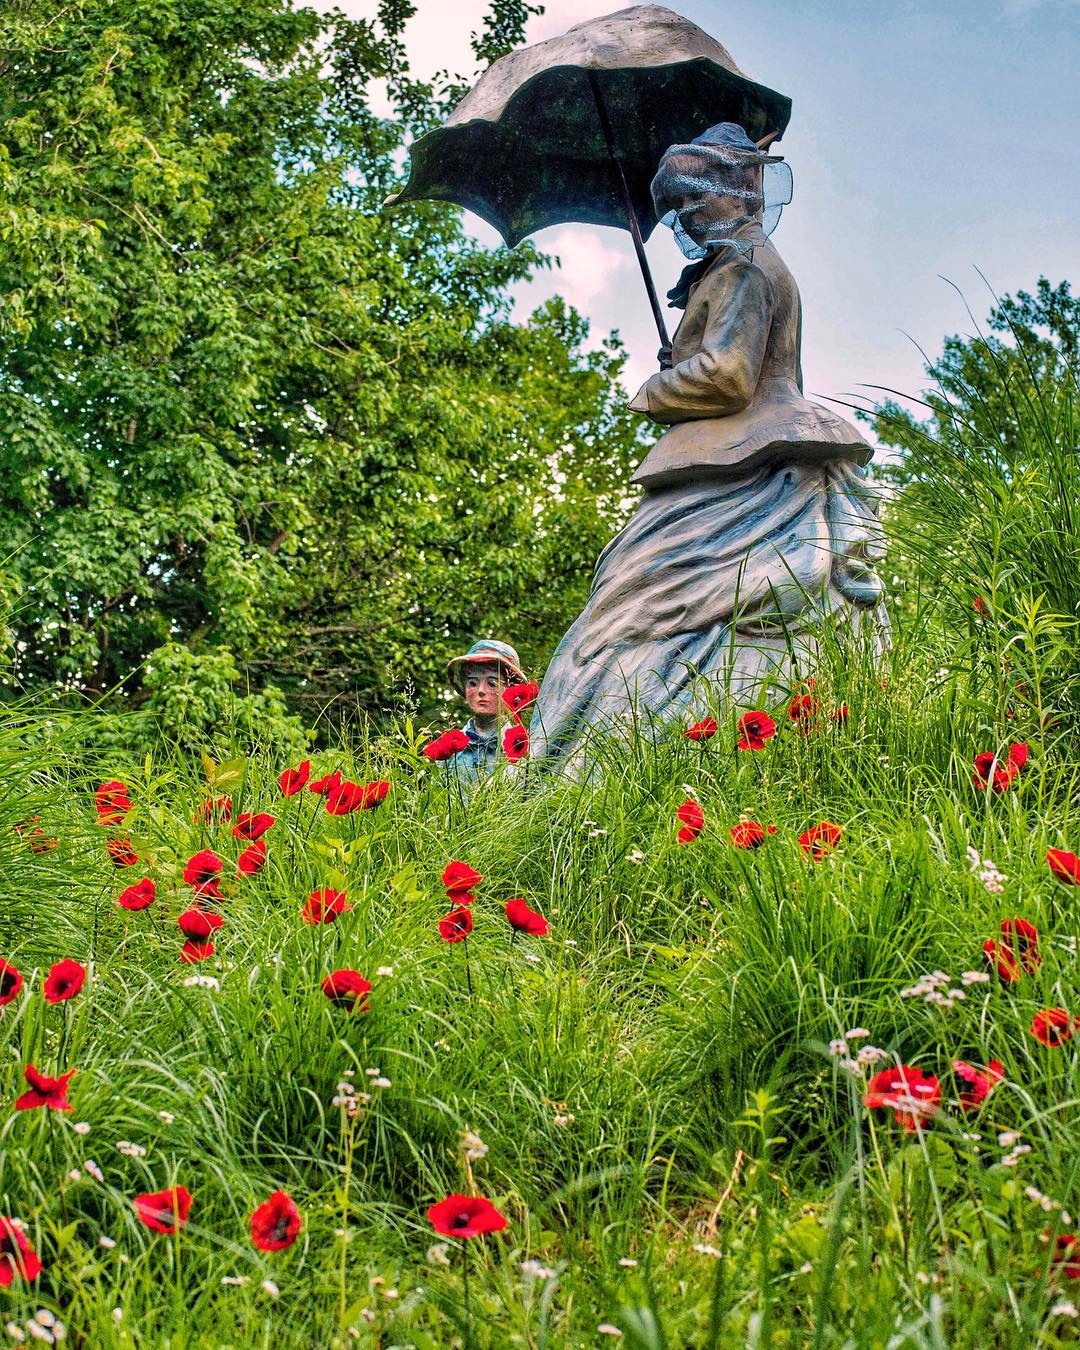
(628, 207)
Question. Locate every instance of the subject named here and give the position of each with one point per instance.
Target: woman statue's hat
(486, 652)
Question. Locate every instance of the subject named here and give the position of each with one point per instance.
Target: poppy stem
(468, 972)
(468, 1301)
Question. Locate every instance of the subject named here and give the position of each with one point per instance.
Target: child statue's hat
(486, 652)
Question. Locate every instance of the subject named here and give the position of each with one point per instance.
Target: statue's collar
(691, 275)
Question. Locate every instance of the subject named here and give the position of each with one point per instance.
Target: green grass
(666, 1129)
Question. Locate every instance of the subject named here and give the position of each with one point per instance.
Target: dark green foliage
(243, 410)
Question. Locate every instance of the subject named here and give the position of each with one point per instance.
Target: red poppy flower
(252, 859)
(30, 832)
(1000, 956)
(446, 746)
(344, 798)
(63, 981)
(219, 808)
(293, 780)
(979, 605)
(1022, 939)
(192, 951)
(1065, 866)
(137, 896)
(749, 834)
(693, 819)
(1066, 1257)
(11, 982)
(164, 1211)
(518, 696)
(820, 840)
(980, 1082)
(459, 876)
(324, 906)
(373, 794)
(996, 773)
(348, 988)
(701, 731)
(1053, 1027)
(840, 715)
(250, 825)
(912, 1094)
(802, 710)
(457, 925)
(326, 784)
(465, 1216)
(525, 920)
(112, 802)
(202, 870)
(755, 728)
(121, 852)
(515, 743)
(50, 1092)
(199, 924)
(276, 1223)
(17, 1257)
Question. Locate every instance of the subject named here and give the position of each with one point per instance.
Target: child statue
(756, 524)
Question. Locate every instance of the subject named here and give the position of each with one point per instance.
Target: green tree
(245, 412)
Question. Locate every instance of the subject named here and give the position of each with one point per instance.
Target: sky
(929, 142)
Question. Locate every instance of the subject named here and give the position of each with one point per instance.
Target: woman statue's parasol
(572, 129)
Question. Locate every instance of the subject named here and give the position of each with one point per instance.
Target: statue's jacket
(734, 392)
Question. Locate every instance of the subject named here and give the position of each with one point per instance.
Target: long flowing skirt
(717, 584)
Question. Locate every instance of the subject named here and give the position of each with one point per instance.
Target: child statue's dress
(756, 524)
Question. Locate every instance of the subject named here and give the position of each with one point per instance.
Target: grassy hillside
(682, 1155)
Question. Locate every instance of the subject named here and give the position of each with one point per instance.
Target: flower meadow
(765, 1033)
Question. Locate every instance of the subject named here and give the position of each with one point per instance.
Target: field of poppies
(763, 1036)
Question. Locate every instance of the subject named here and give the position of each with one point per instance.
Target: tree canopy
(257, 434)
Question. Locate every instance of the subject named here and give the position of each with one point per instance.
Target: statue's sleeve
(721, 378)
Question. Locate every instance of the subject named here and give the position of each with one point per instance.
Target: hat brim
(455, 673)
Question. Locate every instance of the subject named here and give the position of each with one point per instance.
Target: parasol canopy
(526, 147)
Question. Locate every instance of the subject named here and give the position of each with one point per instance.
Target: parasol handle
(628, 207)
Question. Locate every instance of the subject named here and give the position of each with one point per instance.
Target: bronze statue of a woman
(756, 525)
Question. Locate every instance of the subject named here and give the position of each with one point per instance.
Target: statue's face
(699, 210)
(483, 689)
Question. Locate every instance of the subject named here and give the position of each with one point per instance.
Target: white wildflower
(130, 1150)
(870, 1054)
(437, 1254)
(627, 1261)
(117, 1314)
(15, 1331)
(857, 1034)
(564, 1120)
(806, 1268)
(59, 1331)
(381, 1082)
(533, 1270)
(851, 1065)
(95, 1171)
(45, 1317)
(107, 1242)
(390, 1293)
(970, 977)
(74, 1174)
(838, 1048)
(39, 1332)
(922, 1277)
(373, 1073)
(597, 834)
(636, 857)
(1007, 1138)
(533, 957)
(202, 982)
(474, 1146)
(1064, 1308)
(349, 1073)
(706, 1250)
(269, 1287)
(1012, 1158)
(238, 1280)
(606, 1329)
(385, 971)
(166, 1117)
(81, 1127)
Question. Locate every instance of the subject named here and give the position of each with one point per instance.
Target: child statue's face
(483, 690)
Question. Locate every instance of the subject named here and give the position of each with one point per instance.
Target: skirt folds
(714, 583)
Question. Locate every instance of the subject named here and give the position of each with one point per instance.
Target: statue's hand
(664, 357)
